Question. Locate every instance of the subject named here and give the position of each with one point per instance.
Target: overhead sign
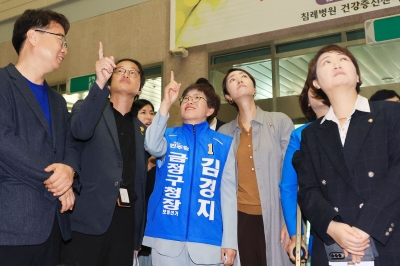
(382, 30)
(197, 22)
(79, 84)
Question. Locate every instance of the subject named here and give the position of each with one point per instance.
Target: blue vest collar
(199, 128)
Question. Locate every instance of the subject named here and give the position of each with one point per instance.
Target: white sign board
(197, 22)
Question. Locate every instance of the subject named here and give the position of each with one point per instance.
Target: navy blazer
(27, 209)
(358, 184)
(93, 125)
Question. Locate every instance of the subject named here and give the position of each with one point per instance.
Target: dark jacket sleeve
(72, 155)
(313, 204)
(86, 114)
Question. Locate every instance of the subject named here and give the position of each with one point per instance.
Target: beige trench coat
(271, 134)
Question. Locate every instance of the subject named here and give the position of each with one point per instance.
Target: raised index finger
(100, 50)
(172, 76)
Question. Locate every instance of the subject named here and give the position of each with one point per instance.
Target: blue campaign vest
(186, 202)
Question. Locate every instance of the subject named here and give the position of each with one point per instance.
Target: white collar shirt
(213, 124)
(361, 104)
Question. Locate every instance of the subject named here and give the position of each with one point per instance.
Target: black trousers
(45, 254)
(251, 240)
(114, 247)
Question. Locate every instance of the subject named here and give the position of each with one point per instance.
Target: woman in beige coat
(260, 141)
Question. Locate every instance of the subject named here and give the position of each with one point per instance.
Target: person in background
(260, 142)
(145, 114)
(108, 220)
(192, 215)
(385, 95)
(145, 111)
(312, 108)
(215, 123)
(36, 156)
(349, 165)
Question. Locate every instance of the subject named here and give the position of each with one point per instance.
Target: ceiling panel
(293, 73)
(392, 50)
(379, 64)
(369, 65)
(152, 92)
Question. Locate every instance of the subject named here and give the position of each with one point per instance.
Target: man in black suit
(35, 176)
(349, 170)
(108, 220)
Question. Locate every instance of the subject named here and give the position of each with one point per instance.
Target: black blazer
(358, 184)
(93, 126)
(27, 147)
(219, 124)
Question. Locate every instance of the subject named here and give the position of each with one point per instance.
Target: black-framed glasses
(63, 37)
(131, 72)
(194, 99)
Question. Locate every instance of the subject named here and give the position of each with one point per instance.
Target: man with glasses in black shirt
(108, 219)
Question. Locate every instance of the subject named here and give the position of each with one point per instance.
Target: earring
(254, 95)
(230, 101)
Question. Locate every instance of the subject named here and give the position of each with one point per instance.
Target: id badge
(123, 198)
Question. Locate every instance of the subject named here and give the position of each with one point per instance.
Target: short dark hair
(32, 19)
(142, 77)
(312, 69)
(213, 100)
(204, 81)
(140, 103)
(224, 87)
(382, 95)
(305, 104)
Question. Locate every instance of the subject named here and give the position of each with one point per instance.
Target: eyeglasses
(194, 99)
(132, 72)
(63, 40)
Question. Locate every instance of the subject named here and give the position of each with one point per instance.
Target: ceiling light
(388, 79)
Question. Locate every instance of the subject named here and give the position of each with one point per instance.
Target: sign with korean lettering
(197, 22)
(210, 170)
(172, 192)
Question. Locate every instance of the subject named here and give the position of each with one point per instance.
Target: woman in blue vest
(192, 215)
(312, 107)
